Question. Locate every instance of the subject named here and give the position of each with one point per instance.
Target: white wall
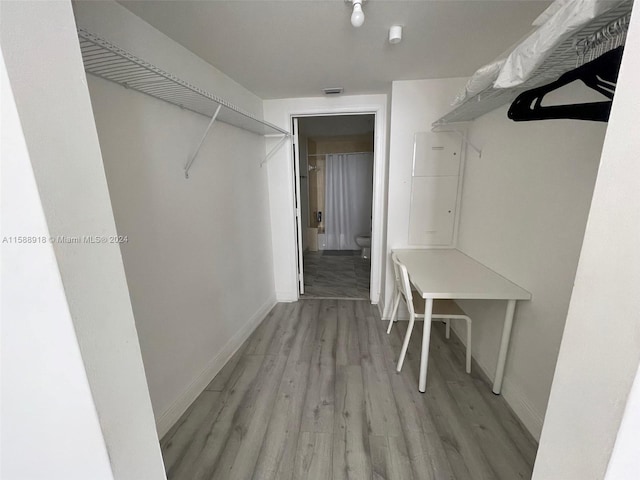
(524, 211)
(199, 258)
(55, 116)
(600, 349)
(44, 384)
(625, 457)
(280, 168)
(415, 105)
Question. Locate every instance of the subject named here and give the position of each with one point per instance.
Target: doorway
(334, 194)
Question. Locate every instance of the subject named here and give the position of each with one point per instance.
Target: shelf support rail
(206, 132)
(275, 148)
(463, 135)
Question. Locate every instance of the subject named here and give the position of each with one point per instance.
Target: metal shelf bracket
(275, 148)
(462, 132)
(206, 132)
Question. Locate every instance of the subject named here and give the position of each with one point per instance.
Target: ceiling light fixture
(357, 17)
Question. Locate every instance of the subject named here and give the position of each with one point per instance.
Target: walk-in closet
(339, 239)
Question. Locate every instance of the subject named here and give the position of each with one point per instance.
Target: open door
(298, 213)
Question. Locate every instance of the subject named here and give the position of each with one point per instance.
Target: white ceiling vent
(333, 91)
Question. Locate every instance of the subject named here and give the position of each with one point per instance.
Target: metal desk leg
(504, 346)
(426, 335)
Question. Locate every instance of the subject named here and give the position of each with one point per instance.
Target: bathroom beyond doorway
(335, 179)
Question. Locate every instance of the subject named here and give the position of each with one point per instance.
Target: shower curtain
(348, 197)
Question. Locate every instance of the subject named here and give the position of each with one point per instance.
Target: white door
(298, 213)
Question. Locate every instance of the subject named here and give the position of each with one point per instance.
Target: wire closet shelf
(566, 57)
(105, 60)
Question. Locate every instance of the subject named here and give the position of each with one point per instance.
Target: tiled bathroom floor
(343, 276)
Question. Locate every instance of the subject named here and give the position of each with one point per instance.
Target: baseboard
(528, 415)
(170, 416)
(381, 309)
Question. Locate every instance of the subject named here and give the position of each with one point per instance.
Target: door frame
(379, 182)
(297, 205)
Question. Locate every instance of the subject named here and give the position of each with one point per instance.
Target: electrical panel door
(433, 210)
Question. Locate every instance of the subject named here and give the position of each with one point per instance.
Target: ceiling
(280, 49)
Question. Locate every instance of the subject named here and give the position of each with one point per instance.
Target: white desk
(449, 273)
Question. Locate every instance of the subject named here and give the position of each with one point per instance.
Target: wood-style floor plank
(389, 458)
(460, 444)
(261, 338)
(314, 394)
(380, 402)
(351, 454)
(454, 353)
(277, 454)
(284, 336)
(429, 459)
(205, 446)
(186, 436)
(242, 442)
(500, 451)
(485, 408)
(518, 435)
(314, 459)
(368, 337)
(219, 383)
(348, 346)
(320, 399)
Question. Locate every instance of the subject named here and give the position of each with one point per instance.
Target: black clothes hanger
(600, 74)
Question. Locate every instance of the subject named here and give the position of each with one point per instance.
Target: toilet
(364, 242)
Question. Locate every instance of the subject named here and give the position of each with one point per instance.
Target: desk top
(449, 273)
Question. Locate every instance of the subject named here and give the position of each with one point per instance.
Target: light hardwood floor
(313, 394)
